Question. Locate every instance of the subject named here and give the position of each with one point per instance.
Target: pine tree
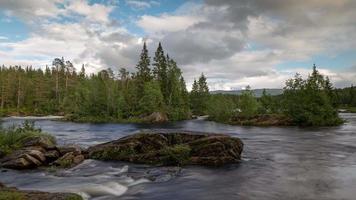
(160, 70)
(200, 96)
(143, 66)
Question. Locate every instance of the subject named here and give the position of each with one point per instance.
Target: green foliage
(114, 154)
(152, 99)
(143, 67)
(12, 137)
(73, 197)
(308, 103)
(199, 96)
(248, 103)
(175, 155)
(345, 97)
(221, 108)
(99, 97)
(11, 195)
(266, 102)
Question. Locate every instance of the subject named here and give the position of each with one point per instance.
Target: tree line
(158, 85)
(60, 89)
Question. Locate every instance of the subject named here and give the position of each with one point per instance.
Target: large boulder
(156, 117)
(23, 159)
(171, 149)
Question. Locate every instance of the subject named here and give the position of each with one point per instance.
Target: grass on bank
(11, 138)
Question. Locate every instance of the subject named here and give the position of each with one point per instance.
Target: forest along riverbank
(278, 162)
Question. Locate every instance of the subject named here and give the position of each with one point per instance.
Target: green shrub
(11, 195)
(11, 138)
(74, 197)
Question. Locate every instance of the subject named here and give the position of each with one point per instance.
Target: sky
(235, 43)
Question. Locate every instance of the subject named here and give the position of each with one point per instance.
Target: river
(278, 163)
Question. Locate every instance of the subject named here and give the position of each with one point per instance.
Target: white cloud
(167, 23)
(94, 12)
(139, 4)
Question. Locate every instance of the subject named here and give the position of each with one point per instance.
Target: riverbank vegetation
(158, 86)
(104, 96)
(306, 102)
(13, 138)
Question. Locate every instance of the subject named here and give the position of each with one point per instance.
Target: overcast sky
(235, 43)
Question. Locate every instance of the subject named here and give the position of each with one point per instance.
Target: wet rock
(14, 193)
(75, 149)
(51, 155)
(23, 159)
(68, 160)
(38, 148)
(171, 149)
(156, 117)
(40, 141)
(162, 174)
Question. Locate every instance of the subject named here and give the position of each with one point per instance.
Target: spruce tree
(160, 70)
(143, 67)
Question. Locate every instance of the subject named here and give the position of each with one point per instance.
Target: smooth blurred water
(278, 163)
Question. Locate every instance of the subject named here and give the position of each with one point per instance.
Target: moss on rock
(171, 149)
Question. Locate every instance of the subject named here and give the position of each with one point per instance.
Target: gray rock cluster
(40, 151)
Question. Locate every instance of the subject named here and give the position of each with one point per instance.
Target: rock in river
(40, 151)
(171, 149)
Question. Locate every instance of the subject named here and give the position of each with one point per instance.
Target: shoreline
(271, 120)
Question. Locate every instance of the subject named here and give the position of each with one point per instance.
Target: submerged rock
(171, 149)
(14, 193)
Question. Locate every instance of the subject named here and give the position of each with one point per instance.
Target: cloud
(238, 41)
(141, 4)
(166, 23)
(30, 9)
(234, 42)
(94, 12)
(78, 31)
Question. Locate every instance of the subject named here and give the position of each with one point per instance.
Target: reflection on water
(278, 163)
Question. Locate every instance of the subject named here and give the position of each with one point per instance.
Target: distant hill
(257, 92)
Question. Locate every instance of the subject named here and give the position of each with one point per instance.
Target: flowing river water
(278, 163)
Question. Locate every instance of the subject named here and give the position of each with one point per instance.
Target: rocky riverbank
(42, 152)
(12, 193)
